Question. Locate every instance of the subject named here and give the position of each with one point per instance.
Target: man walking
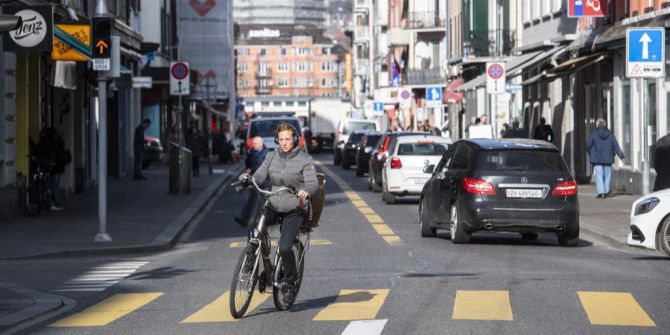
(601, 147)
(662, 163)
(52, 148)
(254, 160)
(197, 146)
(543, 131)
(139, 149)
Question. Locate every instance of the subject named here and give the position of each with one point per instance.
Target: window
(326, 51)
(243, 51)
(290, 103)
(265, 104)
(303, 51)
(461, 158)
(303, 66)
(244, 83)
(263, 52)
(282, 67)
(556, 5)
(263, 68)
(282, 51)
(302, 103)
(242, 67)
(329, 67)
(526, 10)
(283, 82)
(422, 149)
(324, 82)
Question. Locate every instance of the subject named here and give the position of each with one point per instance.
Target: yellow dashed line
(382, 229)
(392, 240)
(354, 305)
(374, 218)
(105, 312)
(353, 196)
(366, 210)
(359, 203)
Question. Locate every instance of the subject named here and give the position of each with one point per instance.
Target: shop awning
(566, 68)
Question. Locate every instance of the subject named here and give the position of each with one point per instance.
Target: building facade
(280, 12)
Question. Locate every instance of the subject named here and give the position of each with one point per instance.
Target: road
(368, 271)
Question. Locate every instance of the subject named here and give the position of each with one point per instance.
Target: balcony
(425, 20)
(488, 43)
(264, 74)
(425, 77)
(362, 34)
(261, 89)
(399, 36)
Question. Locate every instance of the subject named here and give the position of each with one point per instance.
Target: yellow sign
(71, 42)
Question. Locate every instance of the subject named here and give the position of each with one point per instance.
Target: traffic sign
(179, 78)
(433, 96)
(645, 52)
(495, 78)
(378, 108)
(405, 97)
(101, 43)
(584, 8)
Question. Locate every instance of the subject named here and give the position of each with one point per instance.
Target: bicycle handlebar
(250, 180)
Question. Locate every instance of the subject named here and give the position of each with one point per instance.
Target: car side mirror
(368, 150)
(429, 168)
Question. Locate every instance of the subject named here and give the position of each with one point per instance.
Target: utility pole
(208, 116)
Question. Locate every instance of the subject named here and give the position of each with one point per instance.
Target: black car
(351, 147)
(516, 185)
(364, 150)
(378, 157)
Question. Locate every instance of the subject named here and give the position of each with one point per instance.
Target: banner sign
(587, 8)
(72, 42)
(36, 31)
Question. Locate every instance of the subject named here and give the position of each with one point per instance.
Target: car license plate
(523, 193)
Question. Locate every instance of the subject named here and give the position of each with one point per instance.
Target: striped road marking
(100, 278)
(482, 305)
(354, 305)
(274, 242)
(108, 310)
(377, 222)
(614, 309)
(219, 309)
(365, 327)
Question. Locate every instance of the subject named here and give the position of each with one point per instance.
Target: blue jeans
(55, 190)
(603, 174)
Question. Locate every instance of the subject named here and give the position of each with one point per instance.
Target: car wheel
(370, 182)
(383, 189)
(568, 239)
(426, 230)
(337, 160)
(359, 171)
(664, 236)
(458, 234)
(375, 186)
(529, 236)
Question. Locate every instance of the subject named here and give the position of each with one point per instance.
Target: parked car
(516, 185)
(153, 152)
(344, 129)
(378, 157)
(650, 222)
(266, 127)
(351, 148)
(364, 150)
(402, 173)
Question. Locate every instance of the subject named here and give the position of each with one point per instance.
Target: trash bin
(176, 169)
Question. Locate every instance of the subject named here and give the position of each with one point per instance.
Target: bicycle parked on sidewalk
(258, 249)
(35, 196)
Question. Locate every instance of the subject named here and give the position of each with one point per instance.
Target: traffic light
(9, 22)
(101, 41)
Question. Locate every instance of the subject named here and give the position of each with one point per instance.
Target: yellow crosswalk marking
(382, 229)
(366, 210)
(108, 310)
(353, 196)
(482, 305)
(614, 309)
(219, 309)
(392, 239)
(312, 242)
(374, 218)
(354, 305)
(359, 203)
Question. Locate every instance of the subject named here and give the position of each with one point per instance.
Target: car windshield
(520, 160)
(267, 128)
(372, 140)
(356, 138)
(353, 126)
(422, 149)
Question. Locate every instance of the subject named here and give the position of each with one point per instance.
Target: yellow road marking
(614, 309)
(374, 218)
(274, 242)
(108, 310)
(382, 229)
(354, 305)
(482, 305)
(366, 210)
(219, 309)
(359, 203)
(353, 195)
(392, 239)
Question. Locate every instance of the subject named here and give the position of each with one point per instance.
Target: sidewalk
(607, 218)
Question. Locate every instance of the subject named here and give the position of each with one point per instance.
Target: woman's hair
(283, 127)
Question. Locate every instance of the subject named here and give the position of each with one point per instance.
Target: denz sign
(36, 31)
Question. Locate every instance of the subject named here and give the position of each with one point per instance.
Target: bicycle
(258, 248)
(36, 194)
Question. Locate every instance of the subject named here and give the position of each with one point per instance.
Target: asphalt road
(368, 271)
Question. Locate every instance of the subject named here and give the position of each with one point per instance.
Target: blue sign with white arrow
(434, 95)
(645, 52)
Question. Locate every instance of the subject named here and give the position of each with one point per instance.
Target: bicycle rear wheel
(244, 280)
(277, 293)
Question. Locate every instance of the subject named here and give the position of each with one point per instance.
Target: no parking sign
(495, 78)
(180, 76)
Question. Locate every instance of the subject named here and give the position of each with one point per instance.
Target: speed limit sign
(180, 75)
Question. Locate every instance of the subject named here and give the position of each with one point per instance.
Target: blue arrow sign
(645, 52)
(434, 94)
(378, 106)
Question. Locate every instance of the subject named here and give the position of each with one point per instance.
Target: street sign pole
(102, 236)
(647, 134)
(180, 109)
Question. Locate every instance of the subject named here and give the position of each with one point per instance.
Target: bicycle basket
(318, 201)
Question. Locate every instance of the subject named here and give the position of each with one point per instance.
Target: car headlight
(646, 206)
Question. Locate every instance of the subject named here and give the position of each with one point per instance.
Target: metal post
(573, 78)
(102, 236)
(180, 109)
(646, 133)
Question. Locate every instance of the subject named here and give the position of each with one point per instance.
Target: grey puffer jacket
(290, 169)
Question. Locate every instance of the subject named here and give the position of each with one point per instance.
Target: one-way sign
(645, 52)
(433, 96)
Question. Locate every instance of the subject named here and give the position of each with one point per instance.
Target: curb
(166, 240)
(45, 306)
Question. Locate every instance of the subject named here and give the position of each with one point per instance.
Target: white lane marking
(101, 277)
(365, 327)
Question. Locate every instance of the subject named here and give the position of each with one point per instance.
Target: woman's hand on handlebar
(244, 177)
(302, 194)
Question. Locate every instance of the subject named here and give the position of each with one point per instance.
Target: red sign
(584, 8)
(202, 7)
(496, 71)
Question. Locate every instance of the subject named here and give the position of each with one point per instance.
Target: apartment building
(280, 12)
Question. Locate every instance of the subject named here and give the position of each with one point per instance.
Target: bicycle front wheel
(277, 293)
(244, 280)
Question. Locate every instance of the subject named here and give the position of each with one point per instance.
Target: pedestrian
(662, 163)
(52, 149)
(139, 148)
(515, 131)
(196, 144)
(601, 146)
(543, 131)
(505, 128)
(255, 158)
(482, 119)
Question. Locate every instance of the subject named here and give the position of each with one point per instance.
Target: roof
(263, 34)
(513, 143)
(439, 139)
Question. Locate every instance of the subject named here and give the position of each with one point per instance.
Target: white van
(344, 128)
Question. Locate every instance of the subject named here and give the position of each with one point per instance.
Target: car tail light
(565, 188)
(478, 186)
(250, 143)
(396, 163)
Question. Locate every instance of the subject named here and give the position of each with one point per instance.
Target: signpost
(180, 75)
(378, 108)
(587, 8)
(433, 96)
(495, 78)
(645, 58)
(405, 98)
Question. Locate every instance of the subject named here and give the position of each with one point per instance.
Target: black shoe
(241, 221)
(600, 196)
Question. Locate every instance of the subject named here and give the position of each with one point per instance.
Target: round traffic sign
(496, 71)
(405, 94)
(179, 71)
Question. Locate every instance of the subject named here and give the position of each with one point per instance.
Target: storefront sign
(72, 42)
(36, 31)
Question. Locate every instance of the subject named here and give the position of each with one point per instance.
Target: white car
(402, 173)
(344, 129)
(650, 222)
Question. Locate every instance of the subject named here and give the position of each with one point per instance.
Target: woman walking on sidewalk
(601, 147)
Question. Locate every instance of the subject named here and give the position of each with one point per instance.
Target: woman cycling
(288, 166)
